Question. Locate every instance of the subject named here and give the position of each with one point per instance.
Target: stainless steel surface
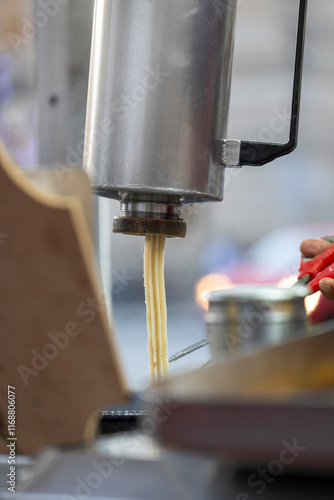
(53, 85)
(63, 37)
(244, 315)
(302, 281)
(231, 153)
(152, 210)
(158, 98)
(143, 218)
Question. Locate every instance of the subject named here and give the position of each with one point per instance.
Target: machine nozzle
(142, 218)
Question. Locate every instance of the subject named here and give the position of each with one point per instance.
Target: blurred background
(254, 234)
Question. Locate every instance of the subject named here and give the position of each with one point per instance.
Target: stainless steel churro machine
(158, 104)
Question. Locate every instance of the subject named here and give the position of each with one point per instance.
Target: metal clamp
(230, 153)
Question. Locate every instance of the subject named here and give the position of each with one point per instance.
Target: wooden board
(56, 346)
(246, 407)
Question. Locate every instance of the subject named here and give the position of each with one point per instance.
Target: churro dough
(156, 312)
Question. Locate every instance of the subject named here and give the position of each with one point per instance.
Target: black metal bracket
(259, 153)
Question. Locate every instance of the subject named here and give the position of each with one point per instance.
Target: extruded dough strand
(163, 308)
(156, 301)
(156, 312)
(149, 308)
(154, 298)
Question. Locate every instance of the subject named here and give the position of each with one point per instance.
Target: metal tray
(272, 406)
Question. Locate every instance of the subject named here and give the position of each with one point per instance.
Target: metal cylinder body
(244, 316)
(158, 99)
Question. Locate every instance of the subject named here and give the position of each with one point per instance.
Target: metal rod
(189, 350)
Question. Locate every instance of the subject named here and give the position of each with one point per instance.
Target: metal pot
(248, 315)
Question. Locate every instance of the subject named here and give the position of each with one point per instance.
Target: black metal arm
(259, 153)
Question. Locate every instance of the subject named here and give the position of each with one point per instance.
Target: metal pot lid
(246, 293)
